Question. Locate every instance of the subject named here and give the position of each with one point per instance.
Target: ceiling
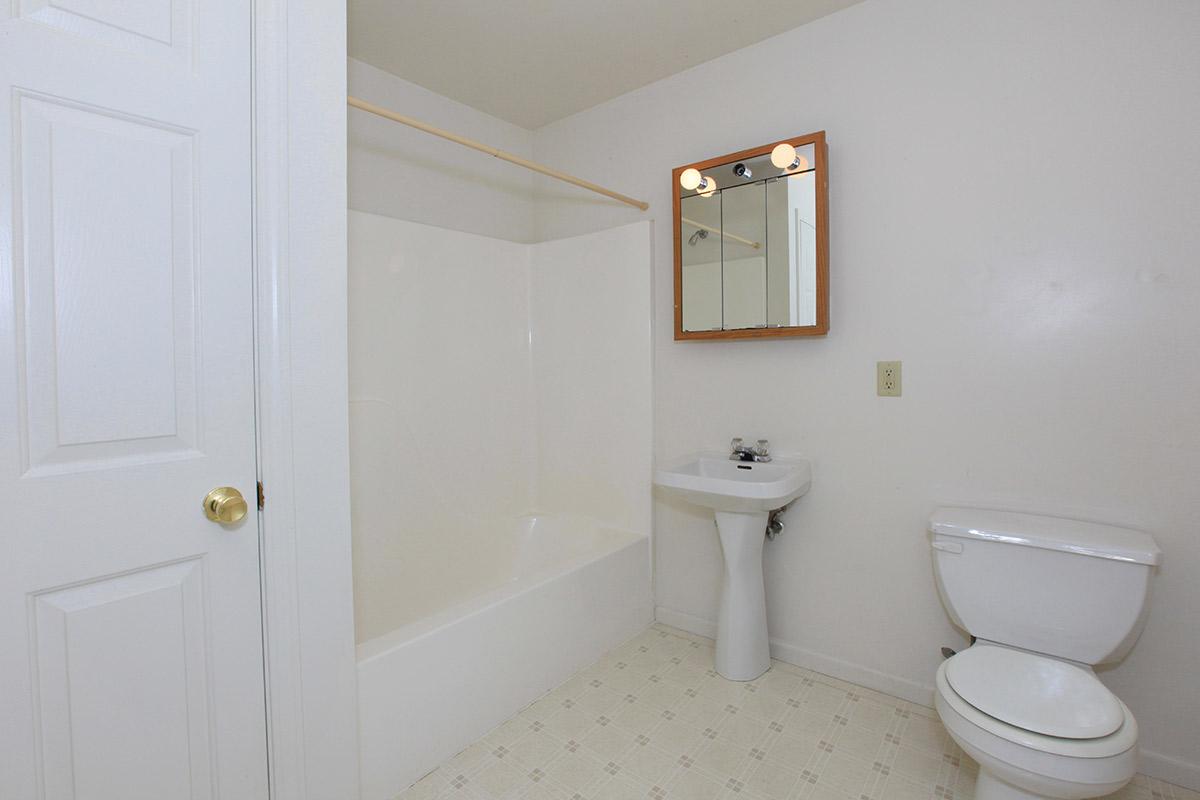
(532, 62)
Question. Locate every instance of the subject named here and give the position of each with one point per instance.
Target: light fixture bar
(380, 111)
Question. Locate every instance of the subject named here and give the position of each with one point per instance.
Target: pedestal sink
(742, 495)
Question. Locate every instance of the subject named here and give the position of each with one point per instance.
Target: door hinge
(262, 498)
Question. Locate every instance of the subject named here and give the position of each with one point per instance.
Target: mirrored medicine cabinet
(752, 242)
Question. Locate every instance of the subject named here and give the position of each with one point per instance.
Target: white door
(130, 625)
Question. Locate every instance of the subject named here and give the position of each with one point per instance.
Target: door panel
(131, 664)
(108, 213)
(122, 683)
(156, 28)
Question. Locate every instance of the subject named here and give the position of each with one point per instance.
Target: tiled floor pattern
(653, 720)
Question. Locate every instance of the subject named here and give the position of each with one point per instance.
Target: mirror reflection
(748, 242)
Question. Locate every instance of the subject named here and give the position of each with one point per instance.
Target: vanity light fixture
(784, 157)
(691, 179)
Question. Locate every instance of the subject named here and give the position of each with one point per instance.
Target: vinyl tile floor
(652, 719)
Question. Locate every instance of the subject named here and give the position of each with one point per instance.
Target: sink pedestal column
(743, 650)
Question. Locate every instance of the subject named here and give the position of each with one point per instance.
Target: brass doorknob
(225, 504)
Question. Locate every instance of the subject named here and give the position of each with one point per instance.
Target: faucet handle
(763, 448)
(735, 444)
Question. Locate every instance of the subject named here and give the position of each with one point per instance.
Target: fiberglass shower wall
(488, 379)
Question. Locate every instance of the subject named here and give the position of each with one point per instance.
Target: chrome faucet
(761, 452)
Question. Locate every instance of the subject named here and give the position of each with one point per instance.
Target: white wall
(1013, 192)
(404, 173)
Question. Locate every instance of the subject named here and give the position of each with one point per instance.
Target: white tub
(448, 660)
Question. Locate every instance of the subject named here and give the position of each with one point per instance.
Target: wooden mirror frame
(821, 186)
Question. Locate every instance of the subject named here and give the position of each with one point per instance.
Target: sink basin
(713, 481)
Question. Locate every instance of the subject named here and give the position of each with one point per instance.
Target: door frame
(301, 397)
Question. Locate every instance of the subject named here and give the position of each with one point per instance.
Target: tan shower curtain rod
(724, 234)
(380, 111)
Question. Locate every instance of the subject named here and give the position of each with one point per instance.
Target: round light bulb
(801, 163)
(689, 179)
(709, 186)
(783, 156)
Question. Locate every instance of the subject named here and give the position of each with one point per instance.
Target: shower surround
(500, 475)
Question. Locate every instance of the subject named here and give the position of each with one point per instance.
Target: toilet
(1045, 599)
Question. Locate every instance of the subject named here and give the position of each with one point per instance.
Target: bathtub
(450, 654)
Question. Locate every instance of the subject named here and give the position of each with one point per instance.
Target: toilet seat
(1036, 693)
(1121, 741)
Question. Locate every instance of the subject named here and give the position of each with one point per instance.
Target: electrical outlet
(887, 378)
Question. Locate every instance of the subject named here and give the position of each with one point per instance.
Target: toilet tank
(1069, 589)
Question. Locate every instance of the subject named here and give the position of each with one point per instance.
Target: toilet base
(989, 787)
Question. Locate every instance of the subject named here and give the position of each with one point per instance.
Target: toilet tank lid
(1048, 533)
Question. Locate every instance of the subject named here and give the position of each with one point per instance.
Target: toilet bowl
(1017, 763)
(1045, 599)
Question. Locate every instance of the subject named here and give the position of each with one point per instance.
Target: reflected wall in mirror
(751, 243)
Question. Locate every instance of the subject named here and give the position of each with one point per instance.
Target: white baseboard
(685, 622)
(903, 688)
(1164, 768)
(1170, 769)
(826, 665)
